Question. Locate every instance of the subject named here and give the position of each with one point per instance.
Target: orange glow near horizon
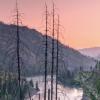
(80, 18)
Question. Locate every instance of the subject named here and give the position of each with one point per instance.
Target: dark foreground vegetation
(9, 88)
(90, 82)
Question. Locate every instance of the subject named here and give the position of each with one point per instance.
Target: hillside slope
(32, 50)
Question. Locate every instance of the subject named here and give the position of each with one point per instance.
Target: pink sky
(80, 18)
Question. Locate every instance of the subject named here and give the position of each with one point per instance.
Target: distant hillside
(92, 52)
(32, 47)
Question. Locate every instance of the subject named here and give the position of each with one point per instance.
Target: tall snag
(18, 48)
(46, 46)
(52, 69)
(57, 59)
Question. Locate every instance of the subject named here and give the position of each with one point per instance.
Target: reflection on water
(64, 93)
(71, 93)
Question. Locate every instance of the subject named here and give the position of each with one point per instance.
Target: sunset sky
(80, 18)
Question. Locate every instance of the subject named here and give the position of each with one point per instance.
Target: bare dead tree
(18, 47)
(48, 94)
(46, 48)
(53, 34)
(57, 59)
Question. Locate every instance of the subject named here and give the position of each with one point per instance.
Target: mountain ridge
(93, 52)
(32, 50)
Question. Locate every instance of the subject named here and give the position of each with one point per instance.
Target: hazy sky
(80, 18)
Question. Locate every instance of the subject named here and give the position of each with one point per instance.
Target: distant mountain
(32, 51)
(92, 52)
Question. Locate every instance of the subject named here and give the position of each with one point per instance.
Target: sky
(80, 19)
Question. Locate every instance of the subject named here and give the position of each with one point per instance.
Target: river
(64, 93)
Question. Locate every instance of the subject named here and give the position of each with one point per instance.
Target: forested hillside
(32, 46)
